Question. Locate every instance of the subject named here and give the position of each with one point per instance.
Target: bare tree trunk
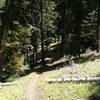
(34, 44)
(98, 28)
(65, 34)
(42, 36)
(75, 79)
(2, 47)
(62, 45)
(0, 42)
(36, 53)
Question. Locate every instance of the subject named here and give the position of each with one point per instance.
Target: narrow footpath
(31, 90)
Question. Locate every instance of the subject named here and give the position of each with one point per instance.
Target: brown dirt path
(31, 90)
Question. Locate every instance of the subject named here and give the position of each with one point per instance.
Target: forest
(42, 36)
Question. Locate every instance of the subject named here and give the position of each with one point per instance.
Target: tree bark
(74, 79)
(98, 28)
(42, 36)
(62, 45)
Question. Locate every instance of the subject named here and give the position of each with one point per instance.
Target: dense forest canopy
(29, 27)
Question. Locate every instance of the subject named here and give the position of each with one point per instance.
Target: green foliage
(15, 49)
(17, 63)
(19, 36)
(50, 16)
(2, 3)
(20, 27)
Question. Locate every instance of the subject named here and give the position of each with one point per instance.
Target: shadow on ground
(87, 57)
(54, 52)
(60, 64)
(49, 68)
(96, 93)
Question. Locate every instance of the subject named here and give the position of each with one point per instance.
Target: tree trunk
(74, 79)
(2, 47)
(36, 53)
(98, 28)
(42, 36)
(0, 42)
(34, 44)
(62, 45)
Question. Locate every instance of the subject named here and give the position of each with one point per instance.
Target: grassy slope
(72, 91)
(58, 91)
(14, 92)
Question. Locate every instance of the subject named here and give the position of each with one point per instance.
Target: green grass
(14, 92)
(72, 91)
(57, 91)
(92, 68)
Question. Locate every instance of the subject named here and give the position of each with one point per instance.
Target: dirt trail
(31, 90)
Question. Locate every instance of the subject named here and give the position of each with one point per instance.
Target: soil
(32, 90)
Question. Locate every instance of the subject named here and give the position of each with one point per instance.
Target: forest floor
(31, 90)
(72, 90)
(34, 86)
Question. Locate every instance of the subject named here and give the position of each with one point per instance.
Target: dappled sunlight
(62, 60)
(49, 49)
(15, 91)
(69, 90)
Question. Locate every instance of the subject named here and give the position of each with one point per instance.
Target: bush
(16, 64)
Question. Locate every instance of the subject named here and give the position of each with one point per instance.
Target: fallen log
(7, 84)
(74, 79)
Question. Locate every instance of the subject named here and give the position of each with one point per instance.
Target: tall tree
(42, 34)
(98, 26)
